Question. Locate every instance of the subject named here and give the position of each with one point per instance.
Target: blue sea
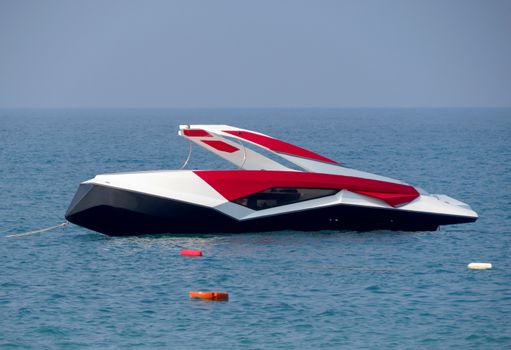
(72, 288)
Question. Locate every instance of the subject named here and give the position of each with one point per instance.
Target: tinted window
(277, 196)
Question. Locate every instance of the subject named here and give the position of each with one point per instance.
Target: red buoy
(209, 295)
(188, 252)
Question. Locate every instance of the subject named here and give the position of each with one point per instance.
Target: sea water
(72, 288)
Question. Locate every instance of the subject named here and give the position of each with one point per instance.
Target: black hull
(118, 212)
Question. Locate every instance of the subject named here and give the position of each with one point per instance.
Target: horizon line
(253, 107)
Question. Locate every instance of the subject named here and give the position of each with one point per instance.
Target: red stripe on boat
(196, 133)
(278, 145)
(220, 146)
(234, 184)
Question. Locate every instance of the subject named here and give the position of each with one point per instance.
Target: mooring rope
(39, 231)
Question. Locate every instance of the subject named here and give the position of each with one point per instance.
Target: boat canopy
(227, 142)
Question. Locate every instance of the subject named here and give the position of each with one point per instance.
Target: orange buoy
(210, 295)
(191, 252)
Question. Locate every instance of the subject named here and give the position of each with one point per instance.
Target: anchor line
(51, 228)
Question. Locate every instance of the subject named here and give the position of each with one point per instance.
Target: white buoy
(479, 266)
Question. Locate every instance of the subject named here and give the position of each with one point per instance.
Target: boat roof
(228, 141)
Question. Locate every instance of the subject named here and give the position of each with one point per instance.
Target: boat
(278, 187)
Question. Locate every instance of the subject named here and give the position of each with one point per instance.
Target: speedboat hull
(118, 211)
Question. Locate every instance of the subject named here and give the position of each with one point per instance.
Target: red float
(209, 295)
(191, 253)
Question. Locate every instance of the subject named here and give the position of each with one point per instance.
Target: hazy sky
(255, 53)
